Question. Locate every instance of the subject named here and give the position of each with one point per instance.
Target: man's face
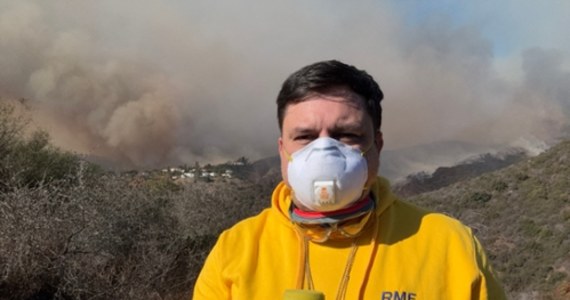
(341, 116)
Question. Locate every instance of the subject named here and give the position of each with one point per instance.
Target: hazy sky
(184, 81)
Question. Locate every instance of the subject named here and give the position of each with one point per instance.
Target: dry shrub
(106, 240)
(100, 242)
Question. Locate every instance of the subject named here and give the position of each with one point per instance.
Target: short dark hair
(324, 76)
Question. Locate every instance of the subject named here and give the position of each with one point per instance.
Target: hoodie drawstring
(304, 274)
(302, 260)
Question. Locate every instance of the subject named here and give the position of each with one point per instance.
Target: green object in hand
(303, 295)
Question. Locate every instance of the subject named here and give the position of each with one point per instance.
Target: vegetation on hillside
(522, 216)
(70, 231)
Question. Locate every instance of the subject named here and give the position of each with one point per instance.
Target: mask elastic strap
(363, 153)
(289, 157)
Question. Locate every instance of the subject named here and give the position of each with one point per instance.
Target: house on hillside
(188, 175)
(176, 170)
(228, 173)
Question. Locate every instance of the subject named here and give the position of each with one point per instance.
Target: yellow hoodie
(409, 254)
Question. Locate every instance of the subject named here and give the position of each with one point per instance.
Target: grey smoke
(180, 81)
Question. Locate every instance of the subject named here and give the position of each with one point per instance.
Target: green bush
(480, 197)
(32, 160)
(499, 186)
(521, 176)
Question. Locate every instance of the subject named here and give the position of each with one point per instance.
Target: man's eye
(349, 137)
(303, 138)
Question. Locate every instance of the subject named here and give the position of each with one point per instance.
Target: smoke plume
(183, 81)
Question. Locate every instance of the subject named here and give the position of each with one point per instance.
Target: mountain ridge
(422, 182)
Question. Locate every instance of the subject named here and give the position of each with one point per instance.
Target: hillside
(444, 176)
(521, 214)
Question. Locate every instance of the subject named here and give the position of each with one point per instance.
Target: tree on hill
(31, 160)
(244, 161)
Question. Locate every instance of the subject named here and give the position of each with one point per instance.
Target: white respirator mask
(327, 175)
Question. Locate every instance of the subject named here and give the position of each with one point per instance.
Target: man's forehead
(347, 111)
(338, 95)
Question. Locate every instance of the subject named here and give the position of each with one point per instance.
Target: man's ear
(280, 147)
(379, 140)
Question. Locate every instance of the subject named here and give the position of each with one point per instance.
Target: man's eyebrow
(302, 130)
(347, 126)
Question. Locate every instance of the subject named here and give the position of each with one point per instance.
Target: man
(334, 226)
